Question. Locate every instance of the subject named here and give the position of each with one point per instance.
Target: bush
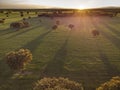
(29, 17)
(24, 19)
(25, 24)
(57, 84)
(28, 12)
(54, 27)
(21, 24)
(16, 60)
(16, 25)
(1, 11)
(113, 84)
(71, 26)
(1, 21)
(95, 32)
(21, 15)
(7, 14)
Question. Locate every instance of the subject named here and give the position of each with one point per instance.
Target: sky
(58, 3)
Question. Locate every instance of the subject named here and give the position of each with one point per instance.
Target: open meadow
(64, 52)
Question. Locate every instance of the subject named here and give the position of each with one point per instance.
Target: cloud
(59, 3)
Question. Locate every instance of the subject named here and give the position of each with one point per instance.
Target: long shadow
(5, 72)
(43, 24)
(7, 82)
(115, 41)
(24, 31)
(56, 66)
(110, 28)
(6, 31)
(9, 30)
(36, 42)
(111, 69)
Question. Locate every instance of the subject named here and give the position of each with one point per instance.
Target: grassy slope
(63, 52)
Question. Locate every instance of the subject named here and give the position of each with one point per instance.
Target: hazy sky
(63, 3)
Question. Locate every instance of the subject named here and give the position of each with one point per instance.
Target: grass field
(75, 54)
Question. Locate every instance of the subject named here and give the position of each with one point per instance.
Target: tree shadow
(24, 31)
(6, 31)
(42, 24)
(56, 66)
(36, 42)
(111, 69)
(115, 41)
(111, 28)
(5, 73)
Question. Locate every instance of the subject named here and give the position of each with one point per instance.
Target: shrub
(24, 19)
(2, 21)
(21, 24)
(54, 27)
(21, 15)
(29, 17)
(113, 84)
(1, 11)
(26, 24)
(16, 25)
(16, 60)
(27, 12)
(7, 15)
(71, 26)
(57, 84)
(95, 32)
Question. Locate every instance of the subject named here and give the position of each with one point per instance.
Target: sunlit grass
(63, 52)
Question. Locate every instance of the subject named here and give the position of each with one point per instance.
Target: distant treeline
(52, 9)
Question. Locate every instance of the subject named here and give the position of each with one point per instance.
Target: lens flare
(82, 7)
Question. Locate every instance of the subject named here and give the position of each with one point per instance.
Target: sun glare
(81, 7)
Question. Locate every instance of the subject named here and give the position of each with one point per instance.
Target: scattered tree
(71, 26)
(2, 21)
(95, 32)
(54, 27)
(16, 60)
(113, 84)
(57, 84)
(27, 12)
(7, 14)
(21, 14)
(18, 25)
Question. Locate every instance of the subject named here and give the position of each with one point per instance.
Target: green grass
(75, 54)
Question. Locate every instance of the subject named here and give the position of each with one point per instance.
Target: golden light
(82, 7)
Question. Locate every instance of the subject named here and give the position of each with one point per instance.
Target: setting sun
(60, 44)
(82, 7)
